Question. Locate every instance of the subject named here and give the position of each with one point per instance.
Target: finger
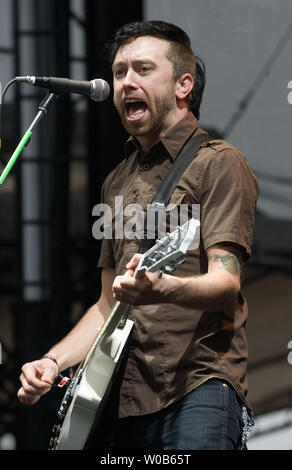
(127, 280)
(30, 375)
(121, 284)
(34, 373)
(119, 296)
(34, 388)
(129, 285)
(129, 273)
(134, 261)
(49, 377)
(27, 399)
(116, 283)
(49, 372)
(123, 297)
(27, 388)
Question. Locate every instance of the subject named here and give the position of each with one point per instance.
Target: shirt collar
(173, 140)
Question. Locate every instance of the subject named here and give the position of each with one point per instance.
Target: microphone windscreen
(100, 90)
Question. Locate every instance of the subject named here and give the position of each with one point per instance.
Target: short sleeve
(228, 197)
(106, 255)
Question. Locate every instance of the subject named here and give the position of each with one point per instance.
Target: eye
(118, 73)
(145, 69)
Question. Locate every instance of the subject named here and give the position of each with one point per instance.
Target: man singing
(183, 383)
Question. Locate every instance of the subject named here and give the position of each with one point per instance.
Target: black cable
(6, 89)
(1, 110)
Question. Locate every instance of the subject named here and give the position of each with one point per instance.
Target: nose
(130, 80)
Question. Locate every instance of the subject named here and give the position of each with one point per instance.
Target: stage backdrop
(247, 48)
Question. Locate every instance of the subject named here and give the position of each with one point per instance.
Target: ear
(184, 86)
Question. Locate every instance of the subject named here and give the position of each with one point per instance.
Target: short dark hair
(180, 54)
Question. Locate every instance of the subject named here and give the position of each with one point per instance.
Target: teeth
(135, 109)
(134, 101)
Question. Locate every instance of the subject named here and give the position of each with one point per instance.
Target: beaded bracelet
(49, 356)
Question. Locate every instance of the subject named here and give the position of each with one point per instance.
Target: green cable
(16, 153)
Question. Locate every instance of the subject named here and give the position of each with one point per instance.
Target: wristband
(49, 356)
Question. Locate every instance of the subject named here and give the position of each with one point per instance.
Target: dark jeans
(209, 417)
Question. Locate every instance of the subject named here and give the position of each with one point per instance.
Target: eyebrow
(135, 61)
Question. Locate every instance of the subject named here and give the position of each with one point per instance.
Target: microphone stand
(44, 108)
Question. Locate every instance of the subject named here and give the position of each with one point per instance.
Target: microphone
(97, 90)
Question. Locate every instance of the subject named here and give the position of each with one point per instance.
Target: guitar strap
(157, 207)
(159, 202)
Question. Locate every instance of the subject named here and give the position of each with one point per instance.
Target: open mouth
(135, 110)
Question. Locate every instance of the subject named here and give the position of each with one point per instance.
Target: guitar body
(86, 395)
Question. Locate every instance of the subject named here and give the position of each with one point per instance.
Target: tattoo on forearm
(228, 262)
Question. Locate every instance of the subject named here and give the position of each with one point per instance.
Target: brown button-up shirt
(174, 349)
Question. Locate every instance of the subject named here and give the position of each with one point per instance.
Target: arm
(38, 376)
(219, 287)
(215, 290)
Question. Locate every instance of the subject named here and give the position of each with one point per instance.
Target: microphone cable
(1, 112)
(6, 89)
